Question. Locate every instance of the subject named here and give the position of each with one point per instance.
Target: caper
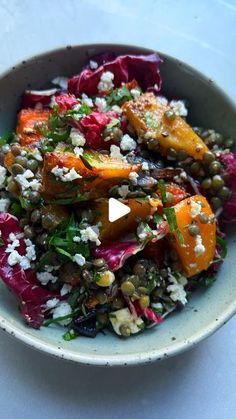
(99, 263)
(208, 157)
(101, 297)
(21, 160)
(172, 153)
(32, 165)
(17, 169)
(203, 217)
(195, 168)
(117, 303)
(206, 183)
(34, 197)
(229, 143)
(216, 202)
(217, 182)
(142, 290)
(127, 288)
(139, 270)
(15, 149)
(125, 330)
(164, 273)
(215, 167)
(29, 232)
(88, 215)
(182, 155)
(170, 114)
(102, 318)
(224, 193)
(13, 187)
(144, 301)
(193, 230)
(35, 216)
(23, 222)
(169, 198)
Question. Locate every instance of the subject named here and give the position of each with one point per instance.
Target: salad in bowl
(109, 132)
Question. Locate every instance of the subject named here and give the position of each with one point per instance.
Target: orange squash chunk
(140, 209)
(148, 117)
(192, 261)
(27, 118)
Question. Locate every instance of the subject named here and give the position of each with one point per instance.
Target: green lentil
(139, 270)
(17, 169)
(101, 297)
(182, 155)
(208, 157)
(127, 288)
(15, 149)
(217, 182)
(203, 217)
(29, 232)
(32, 165)
(193, 230)
(224, 193)
(215, 202)
(117, 303)
(215, 167)
(195, 168)
(206, 183)
(99, 263)
(21, 160)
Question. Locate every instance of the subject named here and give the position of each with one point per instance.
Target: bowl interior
(208, 308)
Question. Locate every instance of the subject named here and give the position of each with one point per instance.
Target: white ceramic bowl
(208, 308)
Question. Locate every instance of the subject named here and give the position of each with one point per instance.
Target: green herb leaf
(118, 96)
(16, 209)
(24, 202)
(157, 218)
(1, 242)
(58, 319)
(114, 122)
(70, 335)
(209, 280)
(223, 248)
(171, 219)
(161, 185)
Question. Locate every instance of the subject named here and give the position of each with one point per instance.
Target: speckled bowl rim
(129, 359)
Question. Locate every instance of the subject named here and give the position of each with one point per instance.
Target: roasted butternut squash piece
(140, 209)
(198, 251)
(27, 118)
(178, 193)
(149, 118)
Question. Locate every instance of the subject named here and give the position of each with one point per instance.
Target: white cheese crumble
(162, 100)
(179, 108)
(25, 183)
(117, 109)
(196, 208)
(135, 93)
(90, 233)
(3, 173)
(115, 152)
(65, 289)
(86, 100)
(106, 84)
(64, 174)
(4, 204)
(123, 191)
(79, 259)
(77, 138)
(14, 256)
(93, 65)
(79, 151)
(133, 177)
(199, 249)
(101, 104)
(176, 289)
(52, 303)
(35, 153)
(145, 166)
(123, 316)
(127, 143)
(45, 277)
(61, 310)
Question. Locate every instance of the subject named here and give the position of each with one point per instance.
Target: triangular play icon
(116, 210)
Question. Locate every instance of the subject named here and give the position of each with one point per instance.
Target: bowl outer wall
(207, 309)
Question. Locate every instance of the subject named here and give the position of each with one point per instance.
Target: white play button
(116, 210)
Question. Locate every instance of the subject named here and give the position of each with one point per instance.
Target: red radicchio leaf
(30, 98)
(23, 283)
(229, 161)
(93, 126)
(65, 101)
(147, 312)
(142, 68)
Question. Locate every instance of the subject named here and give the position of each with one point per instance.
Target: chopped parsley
(171, 219)
(161, 185)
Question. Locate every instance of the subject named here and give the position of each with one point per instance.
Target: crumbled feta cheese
(61, 81)
(123, 191)
(35, 153)
(196, 208)
(4, 204)
(79, 259)
(135, 93)
(101, 104)
(115, 152)
(87, 100)
(14, 258)
(127, 143)
(3, 173)
(52, 303)
(145, 166)
(106, 84)
(30, 250)
(25, 263)
(176, 289)
(179, 108)
(13, 245)
(22, 180)
(61, 310)
(65, 289)
(77, 138)
(79, 151)
(93, 64)
(123, 316)
(51, 268)
(199, 248)
(133, 176)
(90, 233)
(64, 174)
(117, 109)
(162, 100)
(45, 277)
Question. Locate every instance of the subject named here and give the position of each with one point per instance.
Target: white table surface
(198, 384)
